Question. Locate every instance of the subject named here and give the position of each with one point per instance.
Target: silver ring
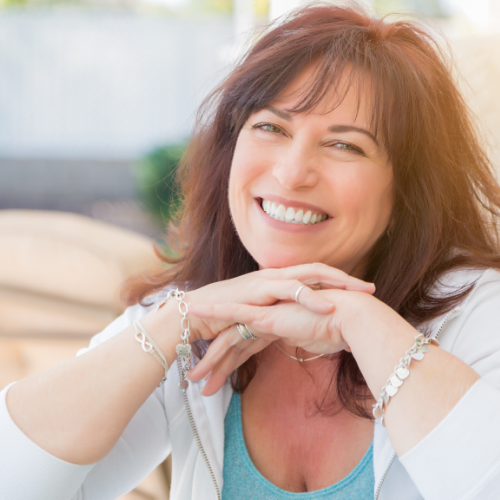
(245, 332)
(297, 293)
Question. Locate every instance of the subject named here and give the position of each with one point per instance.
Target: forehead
(349, 96)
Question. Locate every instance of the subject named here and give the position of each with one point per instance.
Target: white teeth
(292, 215)
(280, 212)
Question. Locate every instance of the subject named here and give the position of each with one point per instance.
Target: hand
(293, 323)
(267, 287)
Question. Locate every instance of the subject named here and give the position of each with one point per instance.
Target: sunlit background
(97, 98)
(89, 88)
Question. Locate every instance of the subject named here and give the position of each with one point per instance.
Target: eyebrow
(280, 113)
(334, 128)
(351, 128)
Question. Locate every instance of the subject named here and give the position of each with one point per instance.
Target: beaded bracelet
(401, 372)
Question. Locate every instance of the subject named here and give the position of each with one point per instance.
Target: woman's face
(290, 171)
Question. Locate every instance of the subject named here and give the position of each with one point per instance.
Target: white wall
(279, 7)
(93, 85)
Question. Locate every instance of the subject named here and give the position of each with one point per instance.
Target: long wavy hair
(446, 197)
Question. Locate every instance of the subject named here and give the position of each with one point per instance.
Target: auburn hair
(446, 198)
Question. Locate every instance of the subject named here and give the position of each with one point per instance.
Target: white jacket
(458, 460)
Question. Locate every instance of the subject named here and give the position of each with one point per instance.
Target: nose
(296, 169)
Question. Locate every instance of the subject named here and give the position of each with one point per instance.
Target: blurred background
(97, 98)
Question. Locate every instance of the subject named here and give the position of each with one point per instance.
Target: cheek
(248, 166)
(245, 170)
(365, 196)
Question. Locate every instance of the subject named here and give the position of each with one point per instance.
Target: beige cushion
(25, 314)
(69, 256)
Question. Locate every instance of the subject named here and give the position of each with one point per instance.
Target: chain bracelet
(183, 350)
(401, 372)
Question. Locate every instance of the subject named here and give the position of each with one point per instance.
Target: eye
(346, 146)
(267, 127)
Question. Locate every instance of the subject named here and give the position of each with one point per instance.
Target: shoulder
(479, 282)
(484, 294)
(472, 330)
(482, 304)
(484, 283)
(454, 281)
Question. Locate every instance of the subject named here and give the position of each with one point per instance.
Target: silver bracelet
(401, 372)
(183, 350)
(148, 345)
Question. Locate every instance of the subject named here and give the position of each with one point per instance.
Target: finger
(216, 351)
(229, 339)
(287, 319)
(310, 274)
(271, 291)
(234, 313)
(231, 361)
(294, 290)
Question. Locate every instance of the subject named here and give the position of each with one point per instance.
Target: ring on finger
(297, 293)
(245, 332)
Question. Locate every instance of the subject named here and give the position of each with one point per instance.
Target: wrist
(349, 316)
(164, 327)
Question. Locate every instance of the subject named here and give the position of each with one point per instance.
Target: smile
(292, 215)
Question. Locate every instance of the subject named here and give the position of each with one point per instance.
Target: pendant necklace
(300, 360)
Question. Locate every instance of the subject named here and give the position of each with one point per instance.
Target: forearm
(78, 410)
(433, 388)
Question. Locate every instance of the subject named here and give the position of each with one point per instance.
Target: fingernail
(359, 287)
(327, 306)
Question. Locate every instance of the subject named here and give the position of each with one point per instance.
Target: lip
(286, 226)
(294, 203)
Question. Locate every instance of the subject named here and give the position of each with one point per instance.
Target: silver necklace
(300, 360)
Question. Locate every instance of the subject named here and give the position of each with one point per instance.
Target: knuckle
(283, 283)
(237, 350)
(291, 285)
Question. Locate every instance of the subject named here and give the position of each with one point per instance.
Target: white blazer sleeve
(460, 458)
(28, 472)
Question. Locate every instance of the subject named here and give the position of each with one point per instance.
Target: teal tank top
(242, 481)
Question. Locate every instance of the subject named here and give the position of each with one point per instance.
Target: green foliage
(13, 3)
(156, 181)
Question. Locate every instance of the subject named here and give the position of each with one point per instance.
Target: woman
(336, 155)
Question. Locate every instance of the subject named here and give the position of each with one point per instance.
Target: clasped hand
(265, 302)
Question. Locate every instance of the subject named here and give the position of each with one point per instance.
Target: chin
(280, 259)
